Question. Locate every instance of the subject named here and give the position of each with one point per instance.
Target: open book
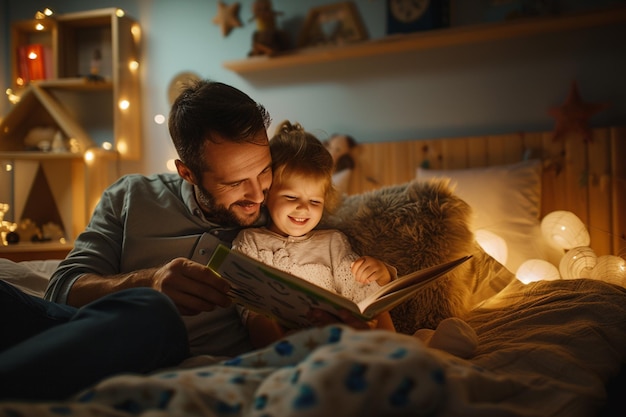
(288, 298)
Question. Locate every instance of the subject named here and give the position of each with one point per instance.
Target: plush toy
(341, 148)
(267, 39)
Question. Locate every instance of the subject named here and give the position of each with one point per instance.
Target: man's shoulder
(131, 181)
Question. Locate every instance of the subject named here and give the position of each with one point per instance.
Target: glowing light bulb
(577, 263)
(107, 146)
(133, 65)
(122, 146)
(124, 104)
(89, 156)
(564, 230)
(159, 119)
(493, 244)
(610, 268)
(119, 13)
(537, 270)
(171, 165)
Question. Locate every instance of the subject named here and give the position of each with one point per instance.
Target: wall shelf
(471, 34)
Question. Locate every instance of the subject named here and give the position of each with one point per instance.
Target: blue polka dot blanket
(330, 371)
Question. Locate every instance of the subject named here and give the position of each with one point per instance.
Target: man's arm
(192, 286)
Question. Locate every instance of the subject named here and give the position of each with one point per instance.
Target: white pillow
(506, 200)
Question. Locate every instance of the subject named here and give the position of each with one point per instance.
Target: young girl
(301, 190)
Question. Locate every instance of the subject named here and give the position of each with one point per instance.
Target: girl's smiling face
(296, 205)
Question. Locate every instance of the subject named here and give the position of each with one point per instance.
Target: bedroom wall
(490, 88)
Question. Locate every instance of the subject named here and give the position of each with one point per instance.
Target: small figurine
(95, 66)
(267, 39)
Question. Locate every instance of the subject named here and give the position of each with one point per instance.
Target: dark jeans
(51, 351)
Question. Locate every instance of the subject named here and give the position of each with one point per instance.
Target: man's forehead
(235, 158)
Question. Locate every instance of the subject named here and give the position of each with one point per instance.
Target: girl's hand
(367, 269)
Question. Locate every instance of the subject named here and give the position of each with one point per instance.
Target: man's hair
(297, 152)
(206, 109)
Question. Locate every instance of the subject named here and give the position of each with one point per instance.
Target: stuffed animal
(341, 148)
(267, 39)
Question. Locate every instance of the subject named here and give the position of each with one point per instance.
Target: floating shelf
(463, 35)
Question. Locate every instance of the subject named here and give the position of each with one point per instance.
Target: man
(113, 304)
(149, 233)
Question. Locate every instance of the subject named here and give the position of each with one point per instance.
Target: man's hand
(193, 287)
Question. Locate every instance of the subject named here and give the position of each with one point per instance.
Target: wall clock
(405, 16)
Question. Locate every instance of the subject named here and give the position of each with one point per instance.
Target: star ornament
(227, 17)
(574, 114)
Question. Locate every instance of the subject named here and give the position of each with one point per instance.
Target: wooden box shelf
(91, 98)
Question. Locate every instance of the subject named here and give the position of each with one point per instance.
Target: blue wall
(497, 87)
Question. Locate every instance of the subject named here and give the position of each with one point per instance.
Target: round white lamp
(564, 230)
(493, 244)
(577, 263)
(537, 270)
(610, 268)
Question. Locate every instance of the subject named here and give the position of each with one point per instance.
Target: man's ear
(184, 172)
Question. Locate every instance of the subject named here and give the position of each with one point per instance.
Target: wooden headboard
(586, 178)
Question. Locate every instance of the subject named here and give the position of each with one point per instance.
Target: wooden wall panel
(599, 194)
(618, 174)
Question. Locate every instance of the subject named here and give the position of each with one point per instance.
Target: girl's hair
(297, 152)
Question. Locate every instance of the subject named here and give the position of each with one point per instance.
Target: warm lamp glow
(32, 55)
(124, 104)
(564, 230)
(159, 119)
(119, 13)
(14, 98)
(122, 146)
(493, 244)
(133, 65)
(136, 32)
(171, 165)
(537, 270)
(107, 146)
(89, 156)
(610, 268)
(39, 27)
(8, 167)
(47, 12)
(577, 263)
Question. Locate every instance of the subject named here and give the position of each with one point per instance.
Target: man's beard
(220, 214)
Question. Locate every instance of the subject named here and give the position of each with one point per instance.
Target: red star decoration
(227, 17)
(573, 115)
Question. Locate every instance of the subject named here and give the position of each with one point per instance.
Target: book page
(288, 299)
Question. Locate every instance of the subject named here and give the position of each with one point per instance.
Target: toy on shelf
(267, 39)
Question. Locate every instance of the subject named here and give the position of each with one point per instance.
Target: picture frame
(332, 24)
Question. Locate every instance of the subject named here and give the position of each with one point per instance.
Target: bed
(476, 342)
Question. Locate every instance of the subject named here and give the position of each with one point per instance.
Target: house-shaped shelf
(58, 186)
(38, 109)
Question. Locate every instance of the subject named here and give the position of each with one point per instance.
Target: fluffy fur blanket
(413, 226)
